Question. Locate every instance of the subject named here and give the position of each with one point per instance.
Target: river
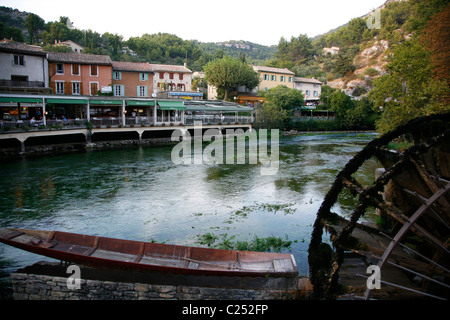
(140, 194)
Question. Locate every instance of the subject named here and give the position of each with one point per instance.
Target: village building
(332, 50)
(311, 88)
(75, 47)
(171, 78)
(273, 77)
(80, 74)
(132, 79)
(24, 68)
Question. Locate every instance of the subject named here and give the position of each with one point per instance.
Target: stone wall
(33, 286)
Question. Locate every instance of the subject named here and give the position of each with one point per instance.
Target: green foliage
(285, 98)
(352, 114)
(294, 52)
(164, 48)
(229, 73)
(278, 107)
(254, 53)
(267, 244)
(271, 116)
(57, 48)
(408, 89)
(34, 24)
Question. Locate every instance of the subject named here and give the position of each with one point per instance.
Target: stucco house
(23, 67)
(132, 79)
(171, 78)
(273, 77)
(311, 88)
(80, 74)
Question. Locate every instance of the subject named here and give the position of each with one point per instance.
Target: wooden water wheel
(411, 197)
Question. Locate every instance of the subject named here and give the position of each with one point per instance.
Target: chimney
(185, 65)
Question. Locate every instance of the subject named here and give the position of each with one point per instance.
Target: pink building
(80, 74)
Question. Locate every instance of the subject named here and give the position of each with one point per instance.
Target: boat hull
(129, 255)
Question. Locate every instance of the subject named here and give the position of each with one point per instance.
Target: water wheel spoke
(422, 171)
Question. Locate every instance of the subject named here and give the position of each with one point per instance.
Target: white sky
(262, 22)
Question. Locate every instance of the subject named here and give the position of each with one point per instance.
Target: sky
(262, 22)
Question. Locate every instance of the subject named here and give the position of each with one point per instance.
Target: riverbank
(36, 143)
(60, 142)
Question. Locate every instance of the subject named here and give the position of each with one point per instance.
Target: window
(316, 93)
(291, 79)
(19, 60)
(181, 76)
(171, 76)
(94, 88)
(282, 78)
(94, 70)
(273, 78)
(76, 88)
(19, 78)
(119, 90)
(59, 68)
(161, 75)
(117, 75)
(59, 87)
(143, 76)
(307, 93)
(266, 77)
(142, 91)
(75, 69)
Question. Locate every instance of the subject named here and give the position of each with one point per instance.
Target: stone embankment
(47, 281)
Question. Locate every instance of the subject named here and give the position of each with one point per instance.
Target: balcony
(23, 86)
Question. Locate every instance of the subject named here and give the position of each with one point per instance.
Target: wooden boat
(101, 252)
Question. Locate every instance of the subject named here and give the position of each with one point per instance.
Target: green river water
(140, 194)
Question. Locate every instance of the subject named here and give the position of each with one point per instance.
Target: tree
(56, 31)
(229, 73)
(34, 24)
(408, 89)
(341, 104)
(286, 98)
(271, 116)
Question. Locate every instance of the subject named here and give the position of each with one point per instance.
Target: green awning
(66, 101)
(171, 105)
(19, 99)
(144, 103)
(106, 102)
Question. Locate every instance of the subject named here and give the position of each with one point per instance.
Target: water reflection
(141, 195)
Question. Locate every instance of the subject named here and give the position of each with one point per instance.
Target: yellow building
(272, 77)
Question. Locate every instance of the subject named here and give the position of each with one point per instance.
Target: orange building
(132, 79)
(80, 74)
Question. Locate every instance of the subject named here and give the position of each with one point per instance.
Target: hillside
(12, 24)
(363, 52)
(254, 53)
